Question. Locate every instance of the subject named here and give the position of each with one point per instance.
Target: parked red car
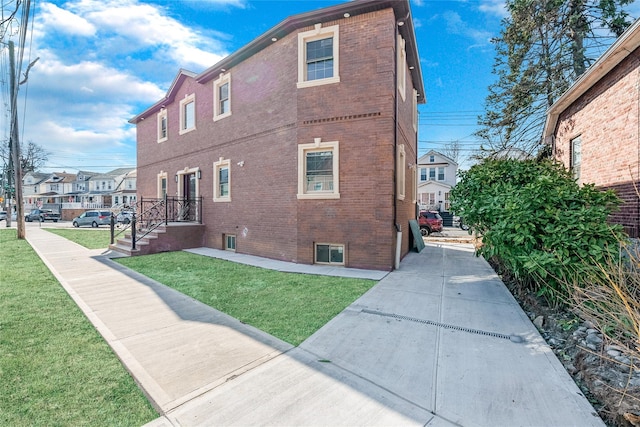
(429, 221)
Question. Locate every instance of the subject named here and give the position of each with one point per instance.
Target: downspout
(396, 33)
(635, 186)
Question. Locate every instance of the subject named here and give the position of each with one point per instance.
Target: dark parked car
(430, 222)
(42, 215)
(3, 216)
(93, 218)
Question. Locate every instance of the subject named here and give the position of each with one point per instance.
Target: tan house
(594, 126)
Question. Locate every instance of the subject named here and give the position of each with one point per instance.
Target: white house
(436, 176)
(125, 192)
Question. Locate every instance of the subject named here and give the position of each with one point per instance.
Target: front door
(189, 193)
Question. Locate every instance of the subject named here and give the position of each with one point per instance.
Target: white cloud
(61, 20)
(101, 63)
(144, 26)
(455, 25)
(494, 7)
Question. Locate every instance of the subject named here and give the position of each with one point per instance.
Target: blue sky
(104, 61)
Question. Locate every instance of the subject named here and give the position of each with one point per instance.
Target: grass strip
(288, 306)
(89, 238)
(55, 369)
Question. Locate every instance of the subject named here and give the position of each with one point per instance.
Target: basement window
(329, 254)
(230, 242)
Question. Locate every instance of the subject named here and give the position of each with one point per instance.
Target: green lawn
(55, 369)
(91, 238)
(287, 305)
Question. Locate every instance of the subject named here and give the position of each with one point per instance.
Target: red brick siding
(629, 216)
(270, 117)
(607, 118)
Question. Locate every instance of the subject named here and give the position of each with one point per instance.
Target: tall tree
(544, 46)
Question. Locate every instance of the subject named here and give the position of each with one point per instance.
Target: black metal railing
(152, 213)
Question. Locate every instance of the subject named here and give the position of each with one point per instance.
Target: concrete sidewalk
(438, 342)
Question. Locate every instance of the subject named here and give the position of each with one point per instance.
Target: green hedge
(537, 221)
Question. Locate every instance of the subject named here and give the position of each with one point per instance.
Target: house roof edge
(614, 55)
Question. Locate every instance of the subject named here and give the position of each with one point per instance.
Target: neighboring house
(125, 192)
(79, 191)
(437, 175)
(300, 146)
(103, 188)
(31, 182)
(593, 127)
(54, 189)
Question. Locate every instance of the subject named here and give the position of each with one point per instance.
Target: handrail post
(112, 224)
(133, 232)
(166, 210)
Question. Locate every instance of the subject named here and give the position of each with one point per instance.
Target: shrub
(537, 221)
(609, 300)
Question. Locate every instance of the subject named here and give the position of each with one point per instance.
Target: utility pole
(14, 146)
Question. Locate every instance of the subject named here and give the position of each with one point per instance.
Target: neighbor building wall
(606, 119)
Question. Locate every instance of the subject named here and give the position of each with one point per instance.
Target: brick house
(437, 174)
(302, 144)
(593, 127)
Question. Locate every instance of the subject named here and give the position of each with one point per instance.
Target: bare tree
(452, 151)
(32, 157)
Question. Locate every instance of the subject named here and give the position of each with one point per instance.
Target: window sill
(183, 131)
(221, 116)
(318, 82)
(221, 199)
(318, 196)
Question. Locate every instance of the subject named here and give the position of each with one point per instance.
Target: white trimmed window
(162, 185)
(222, 180)
(188, 114)
(576, 157)
(400, 172)
(222, 97)
(318, 56)
(162, 126)
(423, 174)
(402, 68)
(326, 253)
(318, 170)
